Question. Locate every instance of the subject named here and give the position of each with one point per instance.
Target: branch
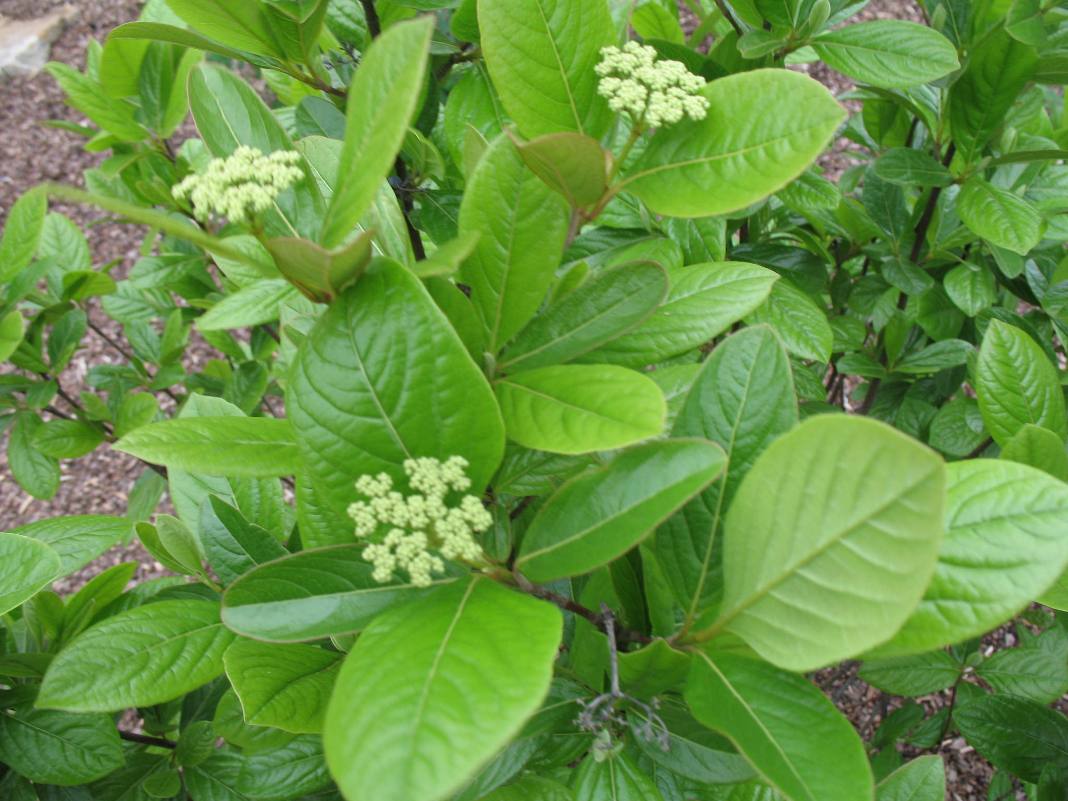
(374, 26)
(603, 622)
(144, 739)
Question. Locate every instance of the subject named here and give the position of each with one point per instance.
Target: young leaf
(573, 164)
(999, 216)
(433, 689)
(311, 595)
(26, 566)
(237, 23)
(382, 99)
(783, 725)
(744, 152)
(1004, 546)
(144, 656)
(888, 53)
(258, 447)
(853, 536)
(602, 514)
(1017, 384)
(575, 408)
(231, 543)
(285, 686)
(909, 167)
(541, 55)
(22, 232)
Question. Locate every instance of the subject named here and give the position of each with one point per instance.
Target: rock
(25, 44)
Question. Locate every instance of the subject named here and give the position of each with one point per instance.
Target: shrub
(607, 420)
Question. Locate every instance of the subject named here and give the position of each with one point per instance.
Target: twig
(568, 605)
(374, 26)
(982, 446)
(144, 739)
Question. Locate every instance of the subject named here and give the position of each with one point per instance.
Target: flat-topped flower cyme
(242, 185)
(652, 92)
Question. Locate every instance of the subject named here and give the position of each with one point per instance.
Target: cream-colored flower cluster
(242, 185)
(420, 522)
(654, 93)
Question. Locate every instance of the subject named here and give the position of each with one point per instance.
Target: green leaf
(852, 537)
(746, 153)
(522, 225)
(248, 307)
(908, 167)
(232, 545)
(36, 473)
(531, 788)
(1038, 447)
(616, 778)
(1016, 384)
(1037, 669)
(971, 287)
(580, 408)
(603, 513)
(58, 748)
(912, 675)
(742, 399)
(381, 101)
(935, 357)
(888, 53)
(703, 302)
(434, 689)
(601, 309)
(144, 656)
(1015, 734)
(67, 439)
(159, 32)
(541, 56)
(573, 164)
(799, 321)
(919, 779)
(78, 539)
(258, 447)
(382, 377)
(116, 117)
(22, 232)
(26, 566)
(285, 686)
(783, 725)
(12, 326)
(1004, 546)
(310, 595)
(999, 216)
(237, 23)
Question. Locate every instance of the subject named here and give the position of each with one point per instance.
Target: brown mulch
(98, 484)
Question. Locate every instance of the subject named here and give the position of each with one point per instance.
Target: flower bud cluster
(654, 93)
(419, 523)
(242, 185)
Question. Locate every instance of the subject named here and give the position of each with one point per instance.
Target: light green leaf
(1004, 546)
(999, 216)
(36, 473)
(184, 37)
(531, 788)
(78, 539)
(742, 399)
(1016, 384)
(913, 675)
(144, 656)
(22, 232)
(231, 543)
(258, 447)
(250, 306)
(1038, 447)
(936, 356)
(381, 101)
(12, 326)
(116, 117)
(541, 55)
(573, 164)
(852, 537)
(434, 689)
(888, 53)
(382, 377)
(58, 748)
(910, 167)
(739, 148)
(616, 778)
(575, 408)
(799, 321)
(26, 566)
(522, 225)
(67, 439)
(602, 514)
(285, 686)
(311, 595)
(783, 725)
(971, 287)
(919, 779)
(237, 23)
(703, 302)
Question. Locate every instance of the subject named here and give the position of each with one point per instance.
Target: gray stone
(25, 44)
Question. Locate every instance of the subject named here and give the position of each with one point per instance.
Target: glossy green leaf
(1015, 734)
(616, 778)
(249, 306)
(237, 23)
(1036, 669)
(67, 439)
(742, 399)
(144, 656)
(223, 446)
(231, 543)
(783, 725)
(381, 101)
(310, 595)
(971, 287)
(580, 408)
(999, 216)
(919, 779)
(935, 357)
(522, 225)
(36, 473)
(602, 514)
(59, 748)
(531, 788)
(1004, 546)
(1038, 447)
(912, 675)
(382, 377)
(22, 232)
(1017, 384)
(541, 55)
(910, 167)
(285, 686)
(888, 53)
(853, 537)
(799, 321)
(26, 566)
(703, 302)
(433, 690)
(573, 164)
(746, 153)
(78, 539)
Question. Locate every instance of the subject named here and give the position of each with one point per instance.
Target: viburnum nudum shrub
(562, 418)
